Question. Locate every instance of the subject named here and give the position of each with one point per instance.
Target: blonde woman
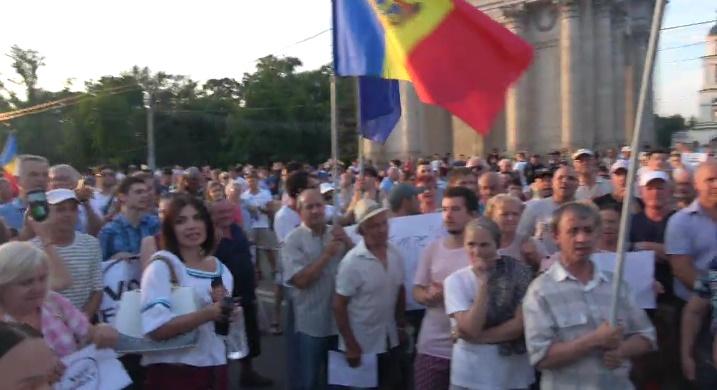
(25, 298)
(506, 210)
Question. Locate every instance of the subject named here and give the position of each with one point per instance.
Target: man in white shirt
(591, 184)
(370, 297)
(258, 201)
(106, 181)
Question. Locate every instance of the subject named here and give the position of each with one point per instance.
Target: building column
(638, 43)
(517, 134)
(570, 75)
(619, 70)
(588, 73)
(604, 131)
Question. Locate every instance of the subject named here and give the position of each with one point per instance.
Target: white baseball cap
(619, 164)
(581, 152)
(653, 175)
(325, 187)
(60, 195)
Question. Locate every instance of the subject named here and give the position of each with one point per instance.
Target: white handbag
(129, 319)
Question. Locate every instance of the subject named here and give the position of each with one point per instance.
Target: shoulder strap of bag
(172, 275)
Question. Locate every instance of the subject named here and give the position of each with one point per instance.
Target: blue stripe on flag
(380, 107)
(9, 152)
(359, 42)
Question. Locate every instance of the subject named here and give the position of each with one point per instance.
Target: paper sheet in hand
(90, 369)
(340, 373)
(639, 274)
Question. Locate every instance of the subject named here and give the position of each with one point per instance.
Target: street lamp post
(149, 105)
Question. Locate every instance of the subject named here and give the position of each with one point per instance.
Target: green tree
(665, 127)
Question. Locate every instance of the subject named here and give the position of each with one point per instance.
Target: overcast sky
(86, 39)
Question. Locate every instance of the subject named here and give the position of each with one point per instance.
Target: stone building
(705, 131)
(580, 91)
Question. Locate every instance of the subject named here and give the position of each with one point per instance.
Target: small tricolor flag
(455, 56)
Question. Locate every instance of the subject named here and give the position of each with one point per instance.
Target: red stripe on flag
(467, 64)
(12, 180)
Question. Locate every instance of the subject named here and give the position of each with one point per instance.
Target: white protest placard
(118, 276)
(638, 273)
(693, 159)
(92, 369)
(410, 235)
(363, 376)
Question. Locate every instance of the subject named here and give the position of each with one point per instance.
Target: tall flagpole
(335, 143)
(359, 136)
(635, 147)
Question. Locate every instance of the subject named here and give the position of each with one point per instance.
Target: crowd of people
(509, 297)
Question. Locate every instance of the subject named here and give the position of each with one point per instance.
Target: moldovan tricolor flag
(8, 160)
(455, 56)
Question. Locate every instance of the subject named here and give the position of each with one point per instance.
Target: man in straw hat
(370, 296)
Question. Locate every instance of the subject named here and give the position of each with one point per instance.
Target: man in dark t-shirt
(647, 233)
(233, 250)
(618, 178)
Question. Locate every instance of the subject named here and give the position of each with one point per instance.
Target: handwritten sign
(118, 276)
(639, 274)
(93, 369)
(410, 235)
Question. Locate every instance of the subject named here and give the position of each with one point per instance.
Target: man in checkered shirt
(566, 310)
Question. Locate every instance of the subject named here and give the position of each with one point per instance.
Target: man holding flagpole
(567, 333)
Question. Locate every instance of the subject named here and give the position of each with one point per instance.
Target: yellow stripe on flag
(10, 167)
(406, 23)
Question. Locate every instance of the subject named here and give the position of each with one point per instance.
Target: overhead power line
(67, 101)
(682, 46)
(688, 25)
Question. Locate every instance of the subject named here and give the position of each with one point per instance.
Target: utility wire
(682, 46)
(688, 25)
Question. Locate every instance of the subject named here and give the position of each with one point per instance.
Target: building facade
(705, 131)
(580, 91)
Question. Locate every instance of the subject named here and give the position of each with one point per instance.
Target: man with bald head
(691, 245)
(683, 191)
(311, 256)
(691, 236)
(489, 185)
(538, 214)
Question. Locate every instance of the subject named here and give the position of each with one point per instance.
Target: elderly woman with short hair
(506, 210)
(25, 298)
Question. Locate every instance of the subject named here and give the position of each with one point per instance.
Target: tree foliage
(274, 113)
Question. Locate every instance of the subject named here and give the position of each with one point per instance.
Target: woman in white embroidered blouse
(187, 236)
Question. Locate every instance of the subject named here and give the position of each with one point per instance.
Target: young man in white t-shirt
(441, 258)
(258, 202)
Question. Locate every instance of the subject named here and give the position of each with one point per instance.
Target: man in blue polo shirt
(33, 173)
(691, 244)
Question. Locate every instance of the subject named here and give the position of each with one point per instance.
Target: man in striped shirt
(80, 252)
(311, 256)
